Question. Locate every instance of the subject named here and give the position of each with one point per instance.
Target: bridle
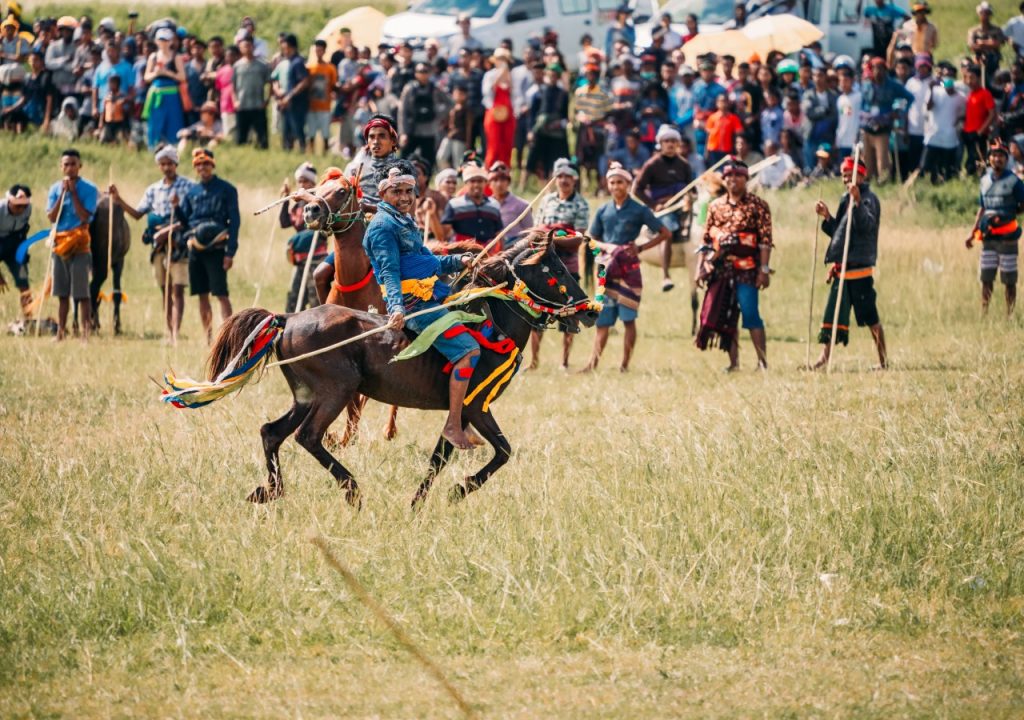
(340, 221)
(536, 311)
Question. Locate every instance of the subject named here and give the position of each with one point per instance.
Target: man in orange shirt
(722, 127)
(323, 80)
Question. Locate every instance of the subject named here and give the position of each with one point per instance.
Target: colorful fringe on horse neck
(188, 393)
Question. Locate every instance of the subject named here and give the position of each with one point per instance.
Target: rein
(339, 222)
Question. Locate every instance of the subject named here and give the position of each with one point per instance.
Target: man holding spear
(170, 269)
(859, 206)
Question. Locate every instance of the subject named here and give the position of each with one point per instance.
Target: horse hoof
(262, 495)
(354, 498)
(457, 494)
(390, 432)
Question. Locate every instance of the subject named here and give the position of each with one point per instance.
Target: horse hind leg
(438, 460)
(485, 423)
(391, 426)
(274, 434)
(353, 412)
(310, 435)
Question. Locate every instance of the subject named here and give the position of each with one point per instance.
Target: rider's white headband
(395, 178)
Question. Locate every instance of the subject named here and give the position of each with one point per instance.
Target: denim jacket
(391, 241)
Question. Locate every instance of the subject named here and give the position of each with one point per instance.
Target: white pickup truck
(842, 21)
(494, 20)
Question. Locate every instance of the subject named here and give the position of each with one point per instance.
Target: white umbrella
(785, 33)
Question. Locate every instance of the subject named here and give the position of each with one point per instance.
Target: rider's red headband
(848, 167)
(379, 122)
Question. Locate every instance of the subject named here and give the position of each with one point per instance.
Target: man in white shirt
(1014, 30)
(848, 107)
(920, 87)
(779, 173)
(945, 110)
(672, 39)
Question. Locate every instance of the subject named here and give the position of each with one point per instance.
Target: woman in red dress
(499, 121)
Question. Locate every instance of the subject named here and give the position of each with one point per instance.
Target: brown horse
(333, 208)
(323, 385)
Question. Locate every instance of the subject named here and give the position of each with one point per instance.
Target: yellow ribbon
(491, 378)
(422, 288)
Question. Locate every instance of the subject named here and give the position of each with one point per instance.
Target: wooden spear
(842, 269)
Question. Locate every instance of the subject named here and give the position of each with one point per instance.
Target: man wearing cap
(883, 16)
(922, 35)
(622, 31)
(421, 106)
(13, 47)
(659, 180)
(72, 255)
(996, 227)
(157, 206)
(615, 229)
(566, 209)
(858, 282)
(500, 180)
(463, 40)
(986, 41)
(209, 211)
(409, 274)
(473, 216)
(743, 222)
(15, 213)
(877, 117)
(60, 56)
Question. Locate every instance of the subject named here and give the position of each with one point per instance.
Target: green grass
(303, 18)
(671, 542)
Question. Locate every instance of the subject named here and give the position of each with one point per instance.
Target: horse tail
(240, 353)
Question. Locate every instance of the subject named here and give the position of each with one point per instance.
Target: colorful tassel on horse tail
(254, 353)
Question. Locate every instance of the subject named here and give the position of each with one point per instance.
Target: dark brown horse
(100, 232)
(323, 385)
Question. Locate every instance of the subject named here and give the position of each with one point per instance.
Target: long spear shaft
(814, 266)
(842, 271)
(49, 259)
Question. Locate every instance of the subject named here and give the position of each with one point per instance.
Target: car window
(813, 14)
(709, 12)
(521, 10)
(574, 7)
(846, 11)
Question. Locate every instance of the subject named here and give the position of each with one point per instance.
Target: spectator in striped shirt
(473, 216)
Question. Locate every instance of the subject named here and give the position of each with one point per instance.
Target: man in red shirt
(980, 114)
(722, 127)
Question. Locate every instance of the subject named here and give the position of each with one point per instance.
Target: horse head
(540, 280)
(333, 205)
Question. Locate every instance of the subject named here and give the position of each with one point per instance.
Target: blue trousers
(747, 294)
(165, 121)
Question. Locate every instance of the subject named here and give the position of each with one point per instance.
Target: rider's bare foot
(457, 437)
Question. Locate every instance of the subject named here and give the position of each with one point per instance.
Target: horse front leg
(438, 460)
(486, 425)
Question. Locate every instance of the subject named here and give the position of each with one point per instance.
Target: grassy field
(673, 542)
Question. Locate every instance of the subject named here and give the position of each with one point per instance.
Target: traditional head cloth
(167, 152)
(444, 176)
(306, 171)
(564, 167)
(380, 121)
(735, 167)
(500, 169)
(9, 20)
(847, 166)
(667, 132)
(202, 155)
(615, 169)
(399, 172)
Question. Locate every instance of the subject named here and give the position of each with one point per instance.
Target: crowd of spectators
(159, 84)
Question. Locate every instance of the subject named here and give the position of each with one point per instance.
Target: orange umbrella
(726, 42)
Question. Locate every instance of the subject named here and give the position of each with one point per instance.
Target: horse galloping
(542, 291)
